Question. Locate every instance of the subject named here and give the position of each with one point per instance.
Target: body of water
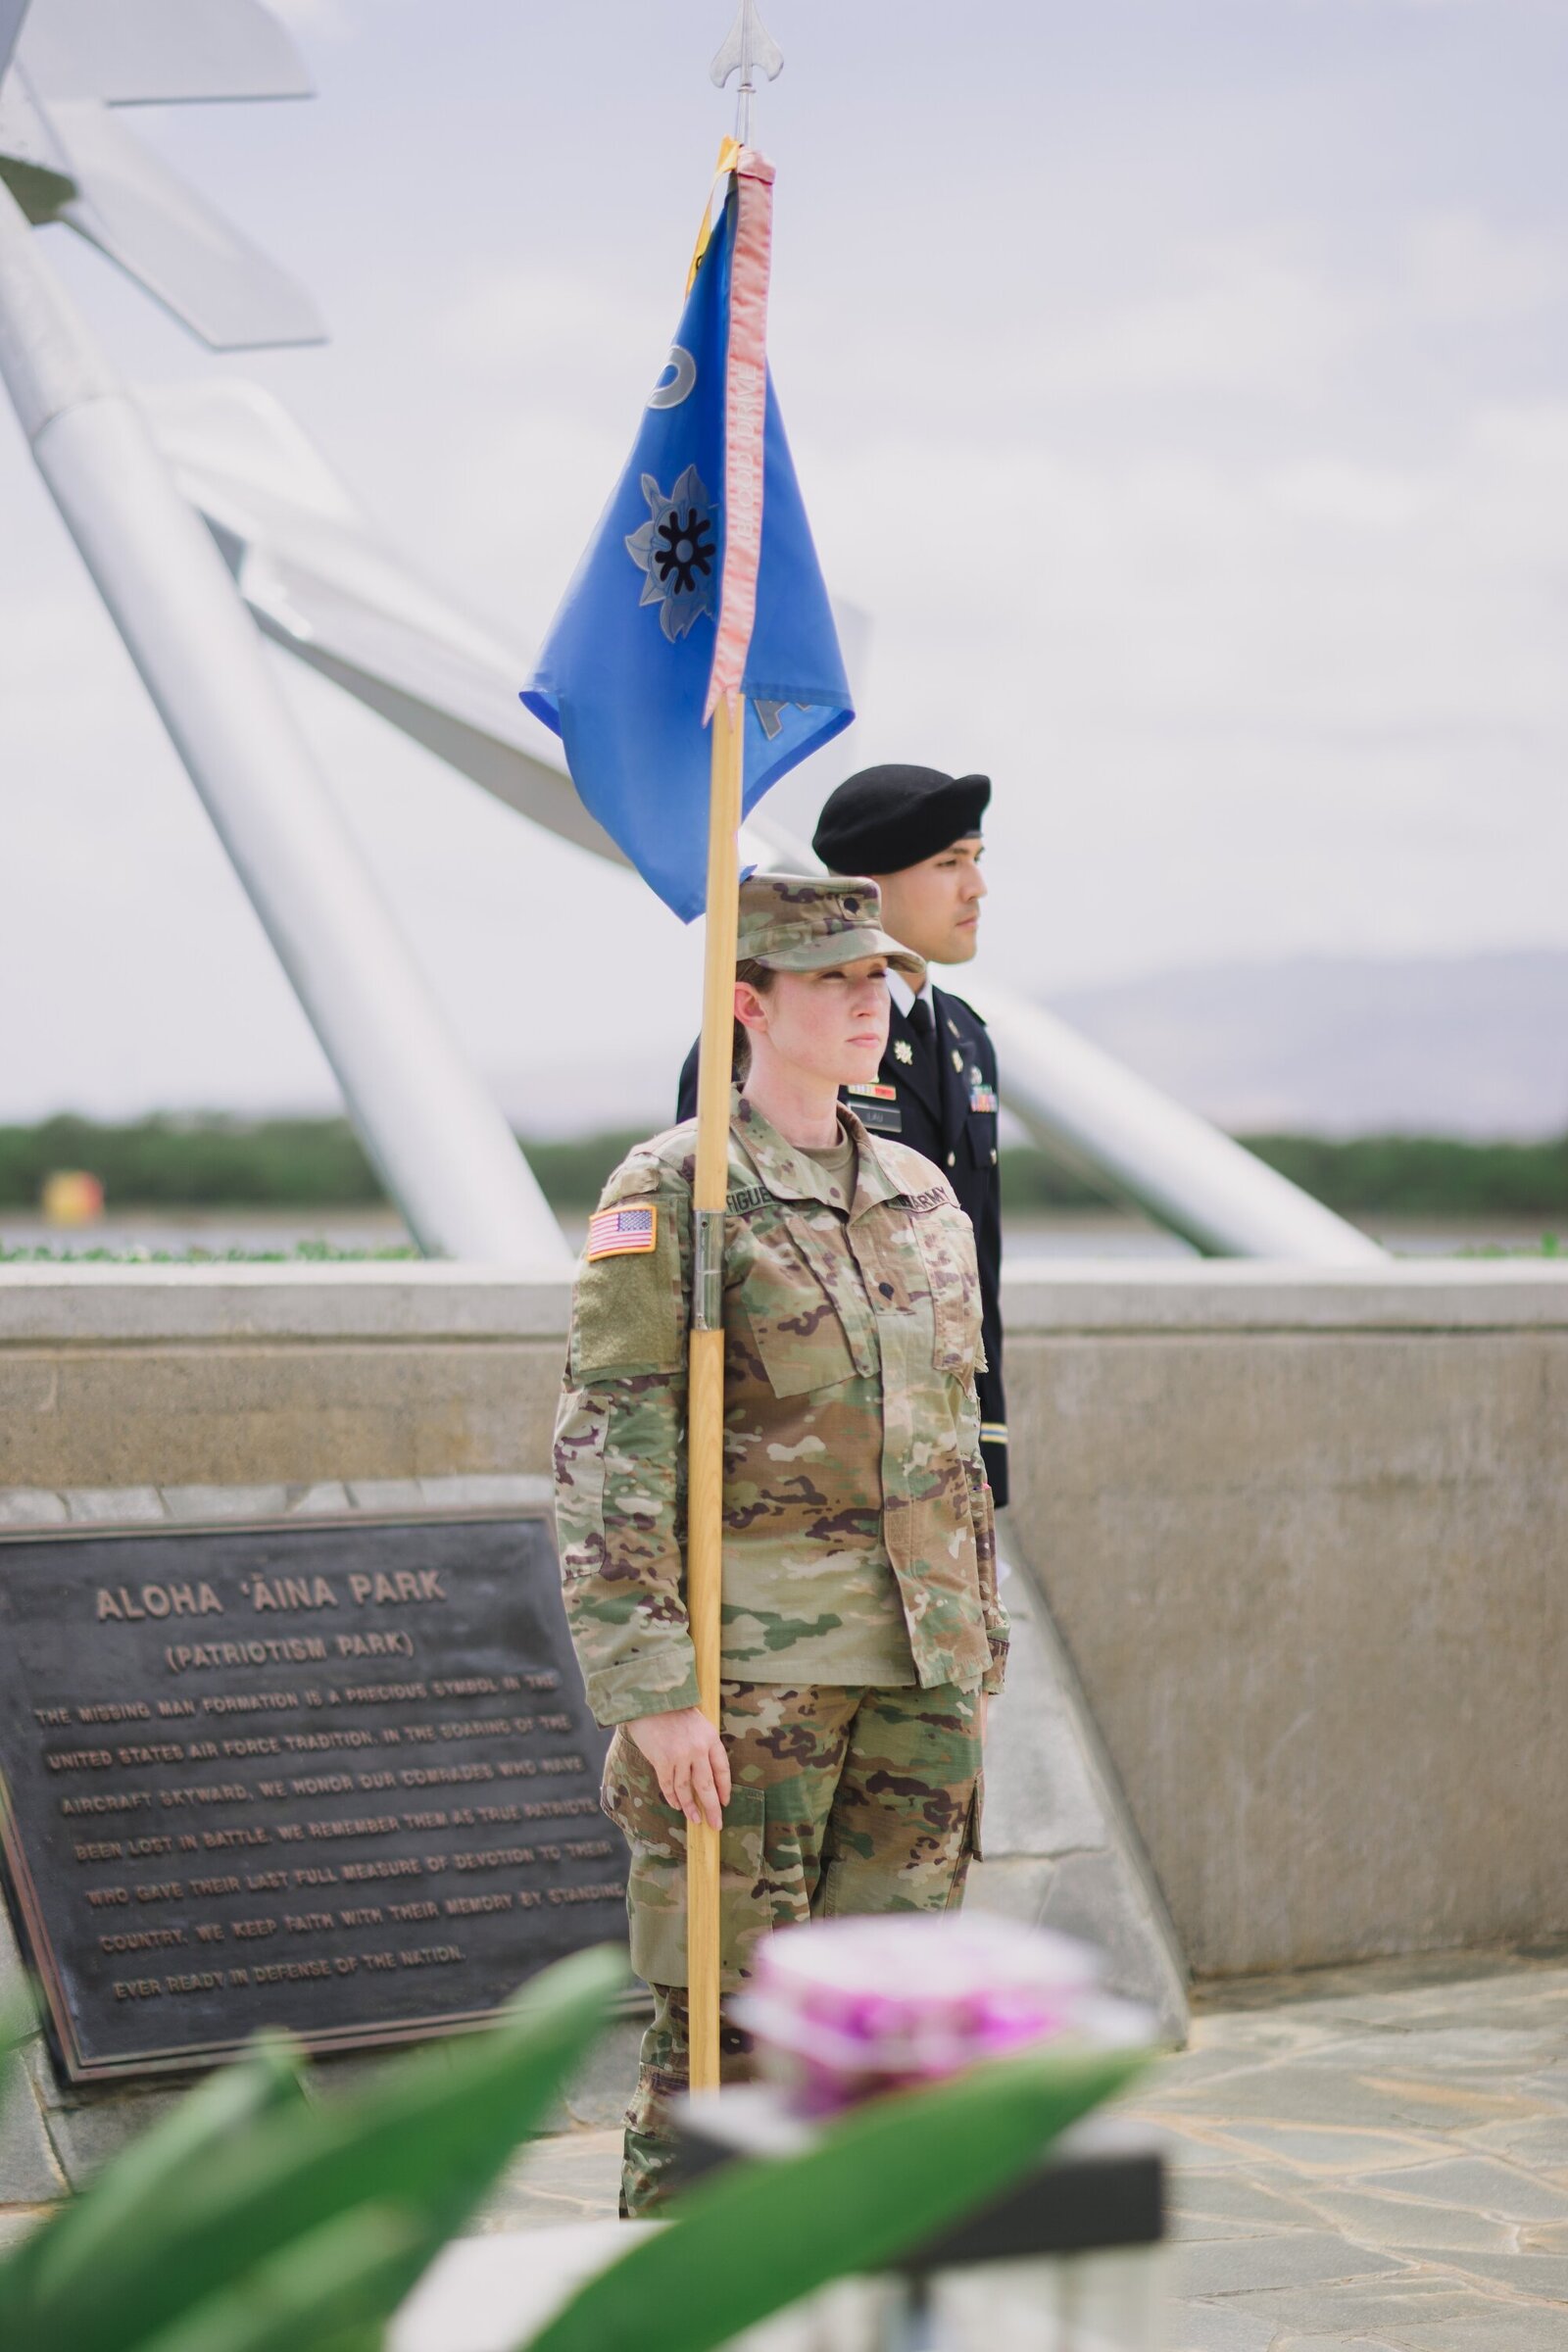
(1067, 1233)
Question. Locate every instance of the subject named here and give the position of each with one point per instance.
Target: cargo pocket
(946, 1249)
(627, 1306)
(835, 1895)
(656, 1883)
(856, 1885)
(972, 1844)
(970, 1848)
(794, 1321)
(798, 1361)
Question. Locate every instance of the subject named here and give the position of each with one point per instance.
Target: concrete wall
(1306, 1537)
(156, 1376)
(1303, 1533)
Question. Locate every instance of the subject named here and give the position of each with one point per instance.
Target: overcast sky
(1178, 384)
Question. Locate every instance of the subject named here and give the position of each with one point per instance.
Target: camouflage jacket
(857, 1542)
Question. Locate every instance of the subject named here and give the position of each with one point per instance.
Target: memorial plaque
(338, 1777)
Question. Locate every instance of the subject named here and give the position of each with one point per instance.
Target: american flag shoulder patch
(621, 1232)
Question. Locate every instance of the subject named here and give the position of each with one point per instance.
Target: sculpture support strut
(1075, 1098)
(440, 1145)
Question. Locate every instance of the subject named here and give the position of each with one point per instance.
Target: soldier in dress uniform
(861, 1628)
(917, 832)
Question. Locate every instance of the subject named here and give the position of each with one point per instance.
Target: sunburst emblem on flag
(677, 552)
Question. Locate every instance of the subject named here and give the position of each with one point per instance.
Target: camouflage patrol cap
(813, 922)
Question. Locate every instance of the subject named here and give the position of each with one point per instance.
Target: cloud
(1222, 517)
(1466, 271)
(1285, 704)
(1246, 319)
(335, 21)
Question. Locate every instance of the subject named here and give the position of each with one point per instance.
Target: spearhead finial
(750, 50)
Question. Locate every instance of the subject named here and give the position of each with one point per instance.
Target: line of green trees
(1362, 1176)
(218, 1162)
(315, 1164)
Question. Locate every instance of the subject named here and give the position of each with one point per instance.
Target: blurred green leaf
(131, 2190)
(428, 2137)
(762, 2235)
(347, 2275)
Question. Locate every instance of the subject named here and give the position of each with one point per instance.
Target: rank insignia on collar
(902, 1051)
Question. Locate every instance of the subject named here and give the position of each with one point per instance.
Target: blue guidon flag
(701, 581)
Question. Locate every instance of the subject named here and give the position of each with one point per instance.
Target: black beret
(886, 818)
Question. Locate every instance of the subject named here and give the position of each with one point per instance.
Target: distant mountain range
(1329, 1046)
(1318, 1044)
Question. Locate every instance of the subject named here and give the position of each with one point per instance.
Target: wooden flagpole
(704, 1428)
(747, 50)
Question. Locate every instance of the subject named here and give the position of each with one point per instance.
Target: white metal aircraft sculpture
(285, 539)
(440, 1142)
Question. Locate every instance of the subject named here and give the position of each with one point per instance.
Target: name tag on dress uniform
(877, 1107)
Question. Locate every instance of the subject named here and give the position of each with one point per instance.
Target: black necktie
(922, 1020)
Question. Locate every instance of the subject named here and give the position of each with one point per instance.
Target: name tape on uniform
(621, 1233)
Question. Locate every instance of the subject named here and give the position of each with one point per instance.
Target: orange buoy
(71, 1197)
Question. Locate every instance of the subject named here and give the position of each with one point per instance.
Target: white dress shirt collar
(904, 995)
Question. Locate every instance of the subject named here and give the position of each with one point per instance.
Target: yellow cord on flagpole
(729, 155)
(704, 1427)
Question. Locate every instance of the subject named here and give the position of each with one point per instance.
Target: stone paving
(1367, 2160)
(1374, 2157)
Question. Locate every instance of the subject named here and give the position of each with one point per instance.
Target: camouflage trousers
(844, 1800)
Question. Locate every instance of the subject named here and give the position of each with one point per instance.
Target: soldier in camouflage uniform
(861, 1628)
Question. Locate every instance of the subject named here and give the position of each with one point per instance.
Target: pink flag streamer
(745, 416)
